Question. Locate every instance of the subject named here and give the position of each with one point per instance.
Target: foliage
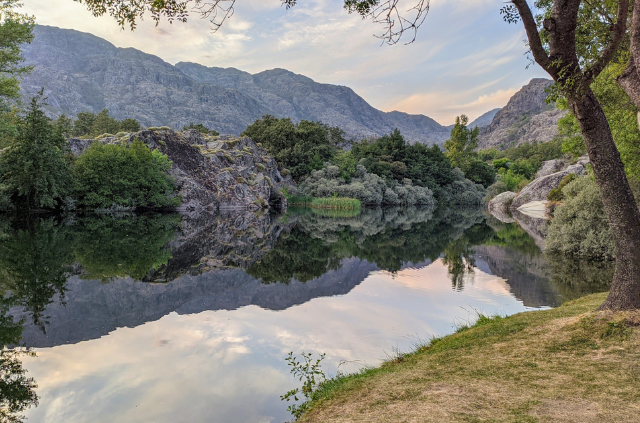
(460, 149)
(392, 159)
(33, 171)
(109, 247)
(301, 147)
(366, 187)
(309, 372)
(16, 29)
(580, 228)
(88, 124)
(461, 191)
(201, 128)
(494, 189)
(556, 194)
(621, 114)
(130, 176)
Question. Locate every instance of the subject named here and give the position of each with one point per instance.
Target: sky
(465, 59)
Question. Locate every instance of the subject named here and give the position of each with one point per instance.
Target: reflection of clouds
(462, 45)
(229, 365)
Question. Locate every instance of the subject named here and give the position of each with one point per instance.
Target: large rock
(499, 206)
(527, 117)
(539, 189)
(550, 166)
(210, 172)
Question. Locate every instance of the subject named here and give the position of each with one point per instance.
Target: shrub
(201, 128)
(556, 194)
(462, 191)
(370, 189)
(495, 189)
(580, 227)
(131, 176)
(511, 179)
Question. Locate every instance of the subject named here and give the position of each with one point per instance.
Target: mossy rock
(269, 181)
(121, 134)
(241, 180)
(285, 172)
(104, 136)
(261, 167)
(228, 157)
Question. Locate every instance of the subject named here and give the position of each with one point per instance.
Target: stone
(499, 206)
(550, 166)
(207, 181)
(539, 188)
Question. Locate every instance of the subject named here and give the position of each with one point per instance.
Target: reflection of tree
(513, 236)
(296, 256)
(388, 237)
(458, 254)
(576, 278)
(34, 260)
(16, 389)
(108, 247)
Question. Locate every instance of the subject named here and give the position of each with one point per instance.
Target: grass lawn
(569, 364)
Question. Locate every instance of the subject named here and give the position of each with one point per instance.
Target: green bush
(556, 194)
(495, 189)
(580, 228)
(200, 128)
(337, 203)
(512, 180)
(368, 188)
(123, 176)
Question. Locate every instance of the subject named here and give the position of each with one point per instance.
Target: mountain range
(82, 72)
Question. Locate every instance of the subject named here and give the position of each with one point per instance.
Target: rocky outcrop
(499, 206)
(212, 172)
(526, 118)
(81, 72)
(539, 189)
(485, 119)
(550, 166)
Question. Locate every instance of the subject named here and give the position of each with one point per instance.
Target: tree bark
(618, 200)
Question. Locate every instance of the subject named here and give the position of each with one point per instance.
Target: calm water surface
(162, 318)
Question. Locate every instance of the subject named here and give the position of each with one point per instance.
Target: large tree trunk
(619, 203)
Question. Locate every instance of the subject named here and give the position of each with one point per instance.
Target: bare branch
(389, 14)
(535, 43)
(618, 29)
(217, 11)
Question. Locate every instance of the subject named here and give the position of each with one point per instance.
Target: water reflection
(198, 294)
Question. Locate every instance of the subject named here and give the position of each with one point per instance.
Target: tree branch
(635, 34)
(534, 37)
(618, 29)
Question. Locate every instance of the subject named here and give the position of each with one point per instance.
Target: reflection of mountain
(93, 309)
(527, 275)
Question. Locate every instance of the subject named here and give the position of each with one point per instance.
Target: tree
(104, 124)
(33, 170)
(460, 149)
(83, 124)
(555, 48)
(15, 30)
(129, 125)
(572, 65)
(301, 147)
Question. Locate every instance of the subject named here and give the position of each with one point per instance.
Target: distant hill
(485, 119)
(82, 72)
(527, 117)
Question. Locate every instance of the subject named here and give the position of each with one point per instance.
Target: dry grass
(570, 364)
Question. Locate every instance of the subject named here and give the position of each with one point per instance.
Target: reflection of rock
(539, 189)
(214, 240)
(499, 206)
(212, 172)
(527, 275)
(535, 227)
(535, 209)
(93, 309)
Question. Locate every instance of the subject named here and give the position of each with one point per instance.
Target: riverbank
(569, 364)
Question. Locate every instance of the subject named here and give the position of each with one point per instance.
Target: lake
(169, 318)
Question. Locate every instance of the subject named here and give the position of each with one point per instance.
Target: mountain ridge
(83, 72)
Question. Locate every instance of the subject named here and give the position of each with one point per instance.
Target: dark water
(162, 318)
